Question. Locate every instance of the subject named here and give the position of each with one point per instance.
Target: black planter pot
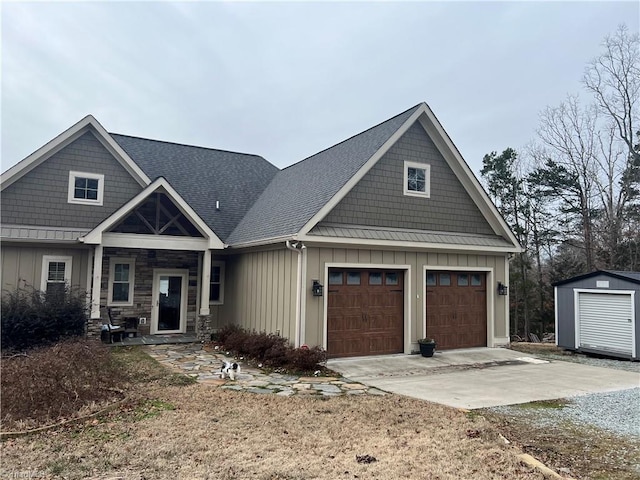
(427, 349)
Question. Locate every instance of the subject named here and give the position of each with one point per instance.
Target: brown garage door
(457, 309)
(365, 314)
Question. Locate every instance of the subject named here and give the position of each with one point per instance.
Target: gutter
(300, 249)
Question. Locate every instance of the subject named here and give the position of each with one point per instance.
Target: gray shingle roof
(203, 176)
(298, 192)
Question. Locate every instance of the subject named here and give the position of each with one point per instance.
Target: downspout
(299, 288)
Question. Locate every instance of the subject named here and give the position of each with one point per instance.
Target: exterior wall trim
(492, 340)
(95, 236)
(184, 273)
(158, 242)
(416, 245)
(68, 265)
(390, 266)
(87, 124)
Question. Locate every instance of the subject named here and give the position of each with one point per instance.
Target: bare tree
(614, 79)
(570, 171)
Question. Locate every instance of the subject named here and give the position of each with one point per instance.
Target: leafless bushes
(271, 350)
(50, 383)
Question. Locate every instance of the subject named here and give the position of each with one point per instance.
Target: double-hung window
(121, 278)
(56, 273)
(85, 188)
(417, 179)
(216, 283)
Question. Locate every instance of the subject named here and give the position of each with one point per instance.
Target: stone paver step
(195, 361)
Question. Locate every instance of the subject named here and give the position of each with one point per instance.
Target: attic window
(417, 179)
(85, 188)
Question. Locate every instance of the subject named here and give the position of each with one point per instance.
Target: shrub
(271, 350)
(31, 318)
(47, 383)
(305, 359)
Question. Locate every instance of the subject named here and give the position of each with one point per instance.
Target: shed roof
(633, 277)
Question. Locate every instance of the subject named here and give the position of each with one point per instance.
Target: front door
(169, 312)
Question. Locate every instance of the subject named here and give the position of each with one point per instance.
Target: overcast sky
(285, 80)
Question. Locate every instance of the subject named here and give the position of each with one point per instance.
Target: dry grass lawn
(198, 432)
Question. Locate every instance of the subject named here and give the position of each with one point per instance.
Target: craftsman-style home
(363, 248)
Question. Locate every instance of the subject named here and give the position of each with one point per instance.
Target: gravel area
(627, 365)
(617, 412)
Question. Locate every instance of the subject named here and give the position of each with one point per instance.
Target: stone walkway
(204, 366)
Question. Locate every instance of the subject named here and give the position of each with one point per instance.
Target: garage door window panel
(353, 278)
(335, 278)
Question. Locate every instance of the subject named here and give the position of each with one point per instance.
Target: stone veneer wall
(145, 262)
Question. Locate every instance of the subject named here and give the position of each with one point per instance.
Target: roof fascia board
(464, 174)
(346, 188)
(405, 244)
(95, 235)
(264, 241)
(88, 123)
(594, 274)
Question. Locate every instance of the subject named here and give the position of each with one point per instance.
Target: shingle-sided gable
(378, 199)
(298, 192)
(39, 197)
(204, 176)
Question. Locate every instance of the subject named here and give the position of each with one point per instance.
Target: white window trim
(427, 179)
(217, 263)
(83, 201)
(132, 275)
(46, 259)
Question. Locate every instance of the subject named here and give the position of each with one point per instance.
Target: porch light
(316, 288)
(502, 289)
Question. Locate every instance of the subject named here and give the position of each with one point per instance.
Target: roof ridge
(352, 137)
(187, 145)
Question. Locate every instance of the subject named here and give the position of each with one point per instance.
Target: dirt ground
(194, 431)
(174, 429)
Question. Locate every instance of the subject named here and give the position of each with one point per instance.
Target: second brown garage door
(365, 314)
(456, 306)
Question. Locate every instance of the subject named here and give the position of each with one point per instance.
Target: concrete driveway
(481, 377)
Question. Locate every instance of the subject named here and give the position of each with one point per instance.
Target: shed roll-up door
(605, 322)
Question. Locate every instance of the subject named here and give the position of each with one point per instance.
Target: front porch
(172, 338)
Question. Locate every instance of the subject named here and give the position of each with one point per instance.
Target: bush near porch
(32, 318)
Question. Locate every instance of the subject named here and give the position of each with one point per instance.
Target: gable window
(85, 188)
(56, 273)
(121, 278)
(216, 283)
(417, 179)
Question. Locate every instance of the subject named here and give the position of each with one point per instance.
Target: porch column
(97, 281)
(205, 281)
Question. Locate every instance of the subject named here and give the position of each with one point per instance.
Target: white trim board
(95, 236)
(87, 124)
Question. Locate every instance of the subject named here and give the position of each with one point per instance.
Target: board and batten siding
(22, 265)
(378, 198)
(260, 292)
(40, 197)
(317, 258)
